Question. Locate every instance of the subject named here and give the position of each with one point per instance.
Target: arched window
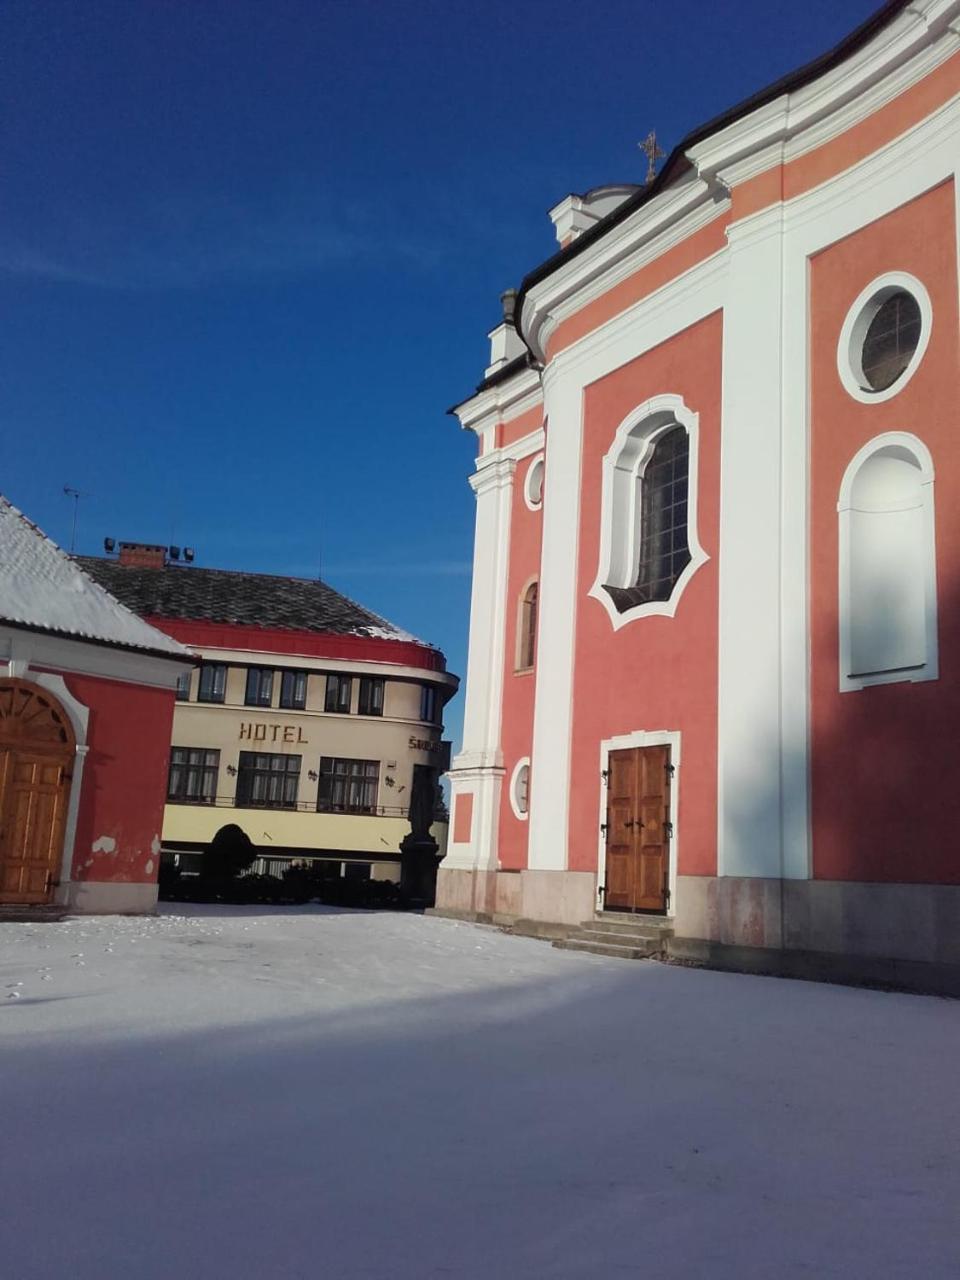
(649, 548)
(888, 605)
(527, 628)
(664, 549)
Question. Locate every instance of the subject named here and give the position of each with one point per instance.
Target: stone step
(633, 919)
(23, 913)
(635, 930)
(613, 950)
(621, 937)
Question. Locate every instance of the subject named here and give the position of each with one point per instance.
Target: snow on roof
(41, 588)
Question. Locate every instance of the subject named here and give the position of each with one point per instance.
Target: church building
(714, 667)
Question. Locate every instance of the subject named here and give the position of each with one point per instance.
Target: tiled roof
(248, 599)
(42, 589)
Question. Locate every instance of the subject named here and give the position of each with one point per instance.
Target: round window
(892, 337)
(533, 488)
(884, 337)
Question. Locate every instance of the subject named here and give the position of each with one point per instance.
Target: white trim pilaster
(478, 768)
(556, 625)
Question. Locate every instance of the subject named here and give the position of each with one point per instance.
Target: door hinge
(605, 775)
(668, 830)
(603, 827)
(671, 770)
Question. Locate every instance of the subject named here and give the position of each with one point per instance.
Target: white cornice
(900, 54)
(571, 283)
(60, 653)
(493, 472)
(501, 403)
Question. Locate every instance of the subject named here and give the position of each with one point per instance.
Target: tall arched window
(649, 549)
(527, 628)
(664, 548)
(888, 604)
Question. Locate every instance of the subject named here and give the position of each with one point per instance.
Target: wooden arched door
(37, 749)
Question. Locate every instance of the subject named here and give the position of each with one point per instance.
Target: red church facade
(712, 671)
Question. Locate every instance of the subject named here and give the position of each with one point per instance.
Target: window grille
(892, 338)
(348, 786)
(193, 775)
(293, 690)
(267, 781)
(213, 682)
(339, 691)
(664, 547)
(259, 687)
(370, 701)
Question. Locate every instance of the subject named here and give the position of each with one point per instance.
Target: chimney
(142, 555)
(505, 343)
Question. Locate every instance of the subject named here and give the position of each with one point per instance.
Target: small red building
(86, 702)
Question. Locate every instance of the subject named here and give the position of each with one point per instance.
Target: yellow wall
(280, 828)
(397, 740)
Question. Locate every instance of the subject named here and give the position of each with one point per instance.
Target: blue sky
(250, 250)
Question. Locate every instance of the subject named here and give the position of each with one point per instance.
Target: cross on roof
(653, 153)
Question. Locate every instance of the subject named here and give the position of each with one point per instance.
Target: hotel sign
(252, 732)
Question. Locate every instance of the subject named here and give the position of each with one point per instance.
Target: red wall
(312, 644)
(654, 673)
(526, 531)
(885, 793)
(124, 778)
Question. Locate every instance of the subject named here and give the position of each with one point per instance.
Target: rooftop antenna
(76, 495)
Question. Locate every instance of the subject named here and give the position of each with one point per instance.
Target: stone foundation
(890, 931)
(549, 897)
(109, 897)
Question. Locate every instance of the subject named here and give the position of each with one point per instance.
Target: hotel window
(267, 781)
(293, 690)
(371, 696)
(193, 775)
(213, 682)
(259, 687)
(348, 786)
(183, 686)
(339, 690)
(429, 704)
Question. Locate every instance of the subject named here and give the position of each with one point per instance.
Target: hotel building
(309, 721)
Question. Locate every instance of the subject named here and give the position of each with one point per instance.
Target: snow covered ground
(258, 1093)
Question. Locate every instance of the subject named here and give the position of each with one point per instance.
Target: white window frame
(930, 668)
(514, 791)
(537, 464)
(858, 321)
(623, 468)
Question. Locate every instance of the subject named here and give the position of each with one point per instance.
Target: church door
(36, 758)
(638, 830)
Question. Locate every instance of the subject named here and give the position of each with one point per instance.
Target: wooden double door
(36, 756)
(638, 830)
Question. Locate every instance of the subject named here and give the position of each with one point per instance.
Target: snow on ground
(260, 1093)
